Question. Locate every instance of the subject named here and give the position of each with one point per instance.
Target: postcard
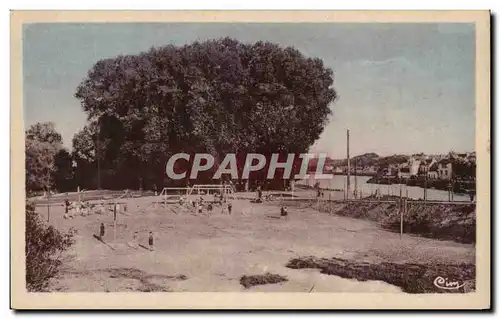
(250, 160)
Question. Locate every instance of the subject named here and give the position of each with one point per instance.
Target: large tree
(219, 96)
(42, 144)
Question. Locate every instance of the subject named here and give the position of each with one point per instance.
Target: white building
(445, 169)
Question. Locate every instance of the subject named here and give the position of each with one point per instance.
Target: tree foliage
(44, 132)
(44, 248)
(48, 164)
(42, 144)
(220, 96)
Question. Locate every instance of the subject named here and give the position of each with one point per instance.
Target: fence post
(401, 210)
(48, 205)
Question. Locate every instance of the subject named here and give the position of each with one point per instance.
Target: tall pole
(425, 187)
(98, 156)
(348, 168)
(48, 205)
(402, 211)
(356, 179)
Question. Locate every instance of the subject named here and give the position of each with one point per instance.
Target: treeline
(217, 97)
(48, 163)
(373, 159)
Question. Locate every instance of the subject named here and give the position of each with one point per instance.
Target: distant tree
(84, 155)
(83, 145)
(63, 174)
(219, 96)
(44, 248)
(39, 165)
(42, 144)
(44, 132)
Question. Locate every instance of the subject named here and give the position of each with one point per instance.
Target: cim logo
(443, 283)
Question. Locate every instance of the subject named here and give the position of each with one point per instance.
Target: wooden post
(452, 188)
(114, 222)
(344, 192)
(425, 189)
(348, 168)
(402, 208)
(48, 205)
(449, 192)
(78, 191)
(355, 179)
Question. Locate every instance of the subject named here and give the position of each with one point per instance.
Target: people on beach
(284, 211)
(101, 232)
(259, 194)
(133, 244)
(151, 241)
(229, 208)
(66, 206)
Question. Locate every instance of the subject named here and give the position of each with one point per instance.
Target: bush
(254, 280)
(44, 248)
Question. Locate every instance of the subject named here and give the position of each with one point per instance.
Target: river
(365, 189)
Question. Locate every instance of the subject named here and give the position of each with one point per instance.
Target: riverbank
(431, 220)
(462, 187)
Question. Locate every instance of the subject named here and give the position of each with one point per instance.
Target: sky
(402, 88)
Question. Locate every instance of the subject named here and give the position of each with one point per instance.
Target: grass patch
(439, 221)
(254, 280)
(412, 278)
(145, 279)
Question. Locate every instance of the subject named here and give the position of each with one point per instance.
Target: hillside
(370, 159)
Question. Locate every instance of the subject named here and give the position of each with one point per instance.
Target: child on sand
(284, 211)
(101, 233)
(151, 241)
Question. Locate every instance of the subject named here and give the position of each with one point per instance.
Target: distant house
(392, 169)
(414, 166)
(370, 169)
(425, 166)
(445, 169)
(432, 172)
(404, 172)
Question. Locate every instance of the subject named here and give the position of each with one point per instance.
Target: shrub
(254, 280)
(44, 248)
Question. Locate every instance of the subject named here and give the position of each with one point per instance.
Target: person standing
(151, 241)
(101, 232)
(259, 194)
(284, 211)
